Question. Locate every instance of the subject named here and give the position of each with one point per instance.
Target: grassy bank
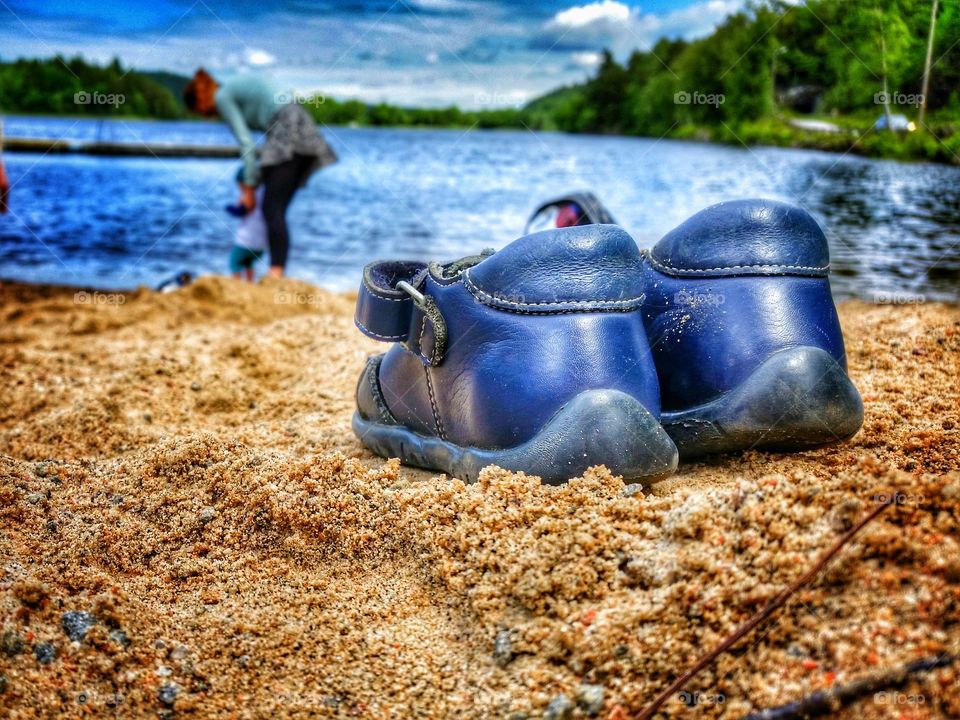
(939, 142)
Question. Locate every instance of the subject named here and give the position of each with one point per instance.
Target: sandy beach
(188, 527)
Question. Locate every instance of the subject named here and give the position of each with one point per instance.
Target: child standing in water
(250, 242)
(4, 183)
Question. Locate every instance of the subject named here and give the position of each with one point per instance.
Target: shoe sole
(798, 398)
(597, 427)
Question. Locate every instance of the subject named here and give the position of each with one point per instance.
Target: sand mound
(190, 528)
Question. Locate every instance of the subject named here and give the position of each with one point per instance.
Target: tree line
(844, 55)
(60, 86)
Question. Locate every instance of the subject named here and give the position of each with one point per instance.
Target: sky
(470, 53)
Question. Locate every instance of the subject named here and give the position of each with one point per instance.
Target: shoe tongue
(585, 263)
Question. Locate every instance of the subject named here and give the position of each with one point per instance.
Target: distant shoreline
(871, 145)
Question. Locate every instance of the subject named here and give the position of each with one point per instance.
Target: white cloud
(258, 58)
(613, 25)
(586, 59)
(699, 19)
(606, 11)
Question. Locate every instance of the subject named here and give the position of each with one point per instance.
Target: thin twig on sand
(825, 701)
(767, 610)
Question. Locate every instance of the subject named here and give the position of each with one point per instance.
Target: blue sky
(472, 53)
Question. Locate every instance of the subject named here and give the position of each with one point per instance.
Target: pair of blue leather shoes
(571, 348)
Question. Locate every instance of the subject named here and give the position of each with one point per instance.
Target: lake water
(894, 228)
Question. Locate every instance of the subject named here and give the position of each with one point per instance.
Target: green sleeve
(230, 112)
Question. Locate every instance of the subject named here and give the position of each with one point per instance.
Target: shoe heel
(606, 427)
(597, 427)
(798, 398)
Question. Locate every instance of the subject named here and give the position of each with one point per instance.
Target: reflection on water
(894, 228)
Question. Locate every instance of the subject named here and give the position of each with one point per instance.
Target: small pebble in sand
(179, 652)
(632, 489)
(76, 623)
(207, 515)
(120, 638)
(33, 498)
(503, 648)
(3, 684)
(30, 593)
(590, 698)
(11, 643)
(148, 417)
(168, 693)
(45, 653)
(560, 708)
(163, 671)
(40, 470)
(195, 386)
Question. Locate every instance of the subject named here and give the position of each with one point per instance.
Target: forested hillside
(76, 87)
(851, 60)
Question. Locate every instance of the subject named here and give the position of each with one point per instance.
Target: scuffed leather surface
(578, 267)
(506, 374)
(708, 334)
(745, 237)
(508, 370)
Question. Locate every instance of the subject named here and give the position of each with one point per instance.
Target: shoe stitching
(370, 332)
(660, 264)
(624, 305)
(433, 404)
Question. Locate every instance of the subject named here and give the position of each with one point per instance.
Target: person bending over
(292, 148)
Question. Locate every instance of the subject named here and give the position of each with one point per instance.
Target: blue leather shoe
(744, 332)
(533, 358)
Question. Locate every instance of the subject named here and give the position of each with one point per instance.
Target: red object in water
(568, 215)
(4, 186)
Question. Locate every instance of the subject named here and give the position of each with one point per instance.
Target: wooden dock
(80, 147)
